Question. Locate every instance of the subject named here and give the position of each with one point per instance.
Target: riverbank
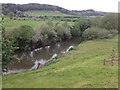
(82, 67)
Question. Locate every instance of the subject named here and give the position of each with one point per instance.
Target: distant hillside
(88, 12)
(45, 13)
(45, 7)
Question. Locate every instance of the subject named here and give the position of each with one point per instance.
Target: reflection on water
(30, 59)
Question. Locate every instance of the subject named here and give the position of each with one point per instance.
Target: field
(15, 23)
(79, 68)
(46, 13)
(8, 24)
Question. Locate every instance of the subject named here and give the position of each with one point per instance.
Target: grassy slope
(82, 67)
(46, 13)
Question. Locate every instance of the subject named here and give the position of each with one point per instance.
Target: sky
(98, 5)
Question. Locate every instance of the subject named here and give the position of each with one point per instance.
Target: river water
(29, 59)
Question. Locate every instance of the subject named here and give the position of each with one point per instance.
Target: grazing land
(33, 23)
(16, 23)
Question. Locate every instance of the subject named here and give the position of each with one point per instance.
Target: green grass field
(79, 68)
(15, 23)
(46, 13)
(8, 24)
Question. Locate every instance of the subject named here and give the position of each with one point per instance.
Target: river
(29, 59)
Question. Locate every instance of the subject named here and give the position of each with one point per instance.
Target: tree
(96, 21)
(45, 34)
(95, 32)
(7, 51)
(63, 31)
(22, 36)
(110, 21)
(82, 25)
(75, 32)
(11, 15)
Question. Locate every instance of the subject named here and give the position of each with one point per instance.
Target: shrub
(110, 21)
(22, 36)
(95, 32)
(63, 31)
(11, 15)
(7, 51)
(75, 32)
(96, 21)
(45, 34)
(114, 32)
(81, 26)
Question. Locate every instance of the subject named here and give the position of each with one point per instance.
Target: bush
(96, 21)
(22, 36)
(95, 32)
(110, 21)
(45, 34)
(81, 26)
(63, 31)
(75, 32)
(7, 51)
(114, 32)
(11, 15)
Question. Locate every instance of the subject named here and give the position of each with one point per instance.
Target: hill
(45, 7)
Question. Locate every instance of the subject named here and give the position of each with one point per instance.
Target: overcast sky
(99, 5)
